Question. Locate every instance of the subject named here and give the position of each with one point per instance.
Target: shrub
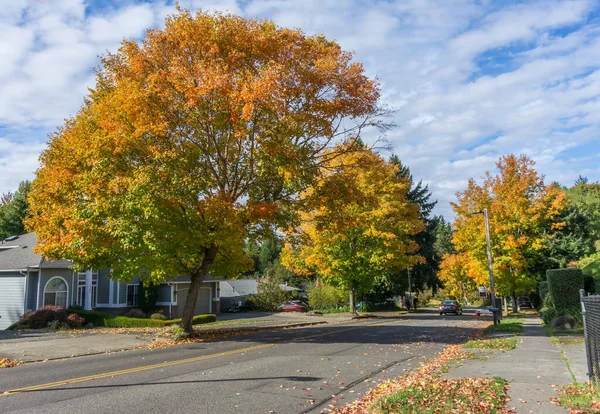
(564, 285)
(549, 314)
(565, 322)
(92, 317)
(158, 316)
(75, 321)
(543, 288)
(136, 313)
(269, 296)
(42, 317)
(113, 321)
(126, 322)
(325, 297)
(148, 295)
(178, 333)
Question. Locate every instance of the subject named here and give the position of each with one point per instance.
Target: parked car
(524, 302)
(483, 312)
(293, 306)
(450, 306)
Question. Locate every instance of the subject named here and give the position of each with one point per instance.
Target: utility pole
(409, 288)
(489, 256)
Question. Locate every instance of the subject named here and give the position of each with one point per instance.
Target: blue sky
(469, 80)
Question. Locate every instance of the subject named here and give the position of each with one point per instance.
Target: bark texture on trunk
(352, 300)
(195, 283)
(515, 304)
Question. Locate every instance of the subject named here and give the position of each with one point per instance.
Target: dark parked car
(450, 306)
(524, 302)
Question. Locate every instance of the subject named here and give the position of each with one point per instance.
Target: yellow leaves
(356, 221)
(521, 208)
(9, 363)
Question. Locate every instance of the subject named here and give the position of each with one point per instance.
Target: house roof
(17, 253)
(239, 287)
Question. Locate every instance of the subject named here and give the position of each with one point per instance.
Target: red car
(293, 306)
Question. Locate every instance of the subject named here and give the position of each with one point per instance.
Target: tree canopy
(13, 209)
(356, 223)
(191, 140)
(522, 209)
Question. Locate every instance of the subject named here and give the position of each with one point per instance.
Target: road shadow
(139, 384)
(378, 331)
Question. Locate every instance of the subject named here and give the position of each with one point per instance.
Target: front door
(81, 291)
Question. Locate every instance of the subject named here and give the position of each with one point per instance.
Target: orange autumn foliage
(191, 139)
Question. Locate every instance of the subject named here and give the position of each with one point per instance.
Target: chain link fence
(590, 310)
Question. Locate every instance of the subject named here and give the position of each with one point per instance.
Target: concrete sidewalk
(535, 369)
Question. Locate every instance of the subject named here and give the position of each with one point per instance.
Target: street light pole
(489, 256)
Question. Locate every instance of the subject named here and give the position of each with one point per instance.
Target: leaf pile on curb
(215, 334)
(424, 390)
(9, 363)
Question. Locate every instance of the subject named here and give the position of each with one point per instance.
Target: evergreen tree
(13, 209)
(423, 275)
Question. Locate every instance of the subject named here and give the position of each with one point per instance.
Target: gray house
(28, 281)
(233, 291)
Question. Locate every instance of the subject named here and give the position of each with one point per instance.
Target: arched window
(56, 292)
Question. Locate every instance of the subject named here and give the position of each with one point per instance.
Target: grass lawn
(504, 344)
(513, 325)
(507, 325)
(582, 398)
(467, 395)
(236, 322)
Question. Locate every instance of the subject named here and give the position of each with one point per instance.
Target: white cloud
(454, 116)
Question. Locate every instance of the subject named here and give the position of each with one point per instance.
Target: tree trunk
(195, 283)
(352, 300)
(515, 305)
(505, 304)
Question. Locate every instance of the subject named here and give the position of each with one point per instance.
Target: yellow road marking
(132, 370)
(171, 363)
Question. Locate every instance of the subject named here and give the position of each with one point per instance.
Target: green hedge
(548, 314)
(564, 285)
(114, 321)
(543, 288)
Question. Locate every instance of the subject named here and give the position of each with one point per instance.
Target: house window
(132, 295)
(56, 292)
(81, 292)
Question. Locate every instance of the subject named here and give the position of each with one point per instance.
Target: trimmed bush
(114, 321)
(564, 285)
(549, 314)
(43, 317)
(75, 321)
(136, 313)
(543, 288)
(92, 317)
(158, 316)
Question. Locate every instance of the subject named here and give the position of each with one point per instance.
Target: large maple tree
(199, 135)
(356, 223)
(522, 209)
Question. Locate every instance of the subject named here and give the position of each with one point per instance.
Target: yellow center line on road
(132, 370)
(177, 362)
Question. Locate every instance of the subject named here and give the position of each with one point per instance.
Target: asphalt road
(292, 371)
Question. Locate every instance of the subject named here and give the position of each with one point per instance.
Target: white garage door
(203, 301)
(12, 295)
